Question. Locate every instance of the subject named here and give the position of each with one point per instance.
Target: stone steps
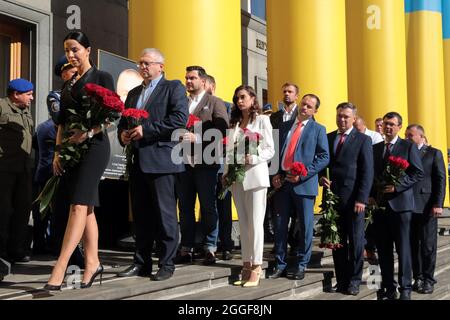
(197, 282)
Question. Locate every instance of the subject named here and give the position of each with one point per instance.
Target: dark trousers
(349, 260)
(225, 218)
(201, 181)
(370, 238)
(15, 207)
(394, 227)
(424, 246)
(285, 201)
(155, 216)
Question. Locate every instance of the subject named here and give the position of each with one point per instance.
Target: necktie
(387, 153)
(340, 144)
(290, 150)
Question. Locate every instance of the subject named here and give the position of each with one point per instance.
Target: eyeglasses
(390, 124)
(145, 64)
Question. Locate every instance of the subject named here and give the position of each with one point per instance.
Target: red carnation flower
(192, 121)
(299, 169)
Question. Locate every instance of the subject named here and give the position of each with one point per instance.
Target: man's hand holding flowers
(293, 176)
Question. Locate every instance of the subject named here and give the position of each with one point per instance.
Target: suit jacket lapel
(201, 104)
(331, 139)
(423, 151)
(347, 142)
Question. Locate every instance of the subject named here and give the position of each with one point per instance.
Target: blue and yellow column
(200, 32)
(306, 45)
(376, 55)
(425, 60)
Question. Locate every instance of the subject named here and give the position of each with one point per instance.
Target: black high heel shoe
(50, 287)
(96, 273)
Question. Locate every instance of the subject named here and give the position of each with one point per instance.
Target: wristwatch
(90, 133)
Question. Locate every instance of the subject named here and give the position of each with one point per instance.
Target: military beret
(20, 85)
(62, 64)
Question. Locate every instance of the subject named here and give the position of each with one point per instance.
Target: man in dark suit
(152, 177)
(429, 195)
(289, 110)
(201, 173)
(351, 178)
(393, 224)
(286, 113)
(302, 140)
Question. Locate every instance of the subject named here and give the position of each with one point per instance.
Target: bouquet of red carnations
(246, 144)
(100, 107)
(134, 118)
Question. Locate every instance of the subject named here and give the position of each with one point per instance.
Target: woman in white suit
(250, 195)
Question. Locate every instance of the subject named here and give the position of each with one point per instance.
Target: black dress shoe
(163, 274)
(427, 288)
(210, 259)
(405, 295)
(24, 258)
(391, 294)
(338, 288)
(135, 270)
(298, 275)
(353, 290)
(380, 294)
(277, 273)
(50, 287)
(418, 285)
(227, 255)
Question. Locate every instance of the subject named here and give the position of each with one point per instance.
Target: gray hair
(155, 52)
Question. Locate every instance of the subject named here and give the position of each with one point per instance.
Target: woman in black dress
(83, 179)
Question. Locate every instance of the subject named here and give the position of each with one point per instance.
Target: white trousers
(251, 209)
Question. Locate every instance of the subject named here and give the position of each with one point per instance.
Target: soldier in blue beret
(16, 128)
(20, 85)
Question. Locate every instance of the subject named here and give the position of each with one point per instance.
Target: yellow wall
(191, 32)
(426, 89)
(307, 46)
(376, 54)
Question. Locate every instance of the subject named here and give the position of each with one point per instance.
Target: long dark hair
(236, 113)
(80, 37)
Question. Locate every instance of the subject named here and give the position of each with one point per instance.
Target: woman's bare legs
(74, 231)
(90, 245)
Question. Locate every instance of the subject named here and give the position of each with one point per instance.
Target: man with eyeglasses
(393, 225)
(152, 176)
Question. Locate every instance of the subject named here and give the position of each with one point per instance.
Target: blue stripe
(423, 5)
(446, 19)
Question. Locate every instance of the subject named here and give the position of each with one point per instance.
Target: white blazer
(256, 173)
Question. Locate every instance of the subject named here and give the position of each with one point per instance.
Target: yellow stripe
(426, 88)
